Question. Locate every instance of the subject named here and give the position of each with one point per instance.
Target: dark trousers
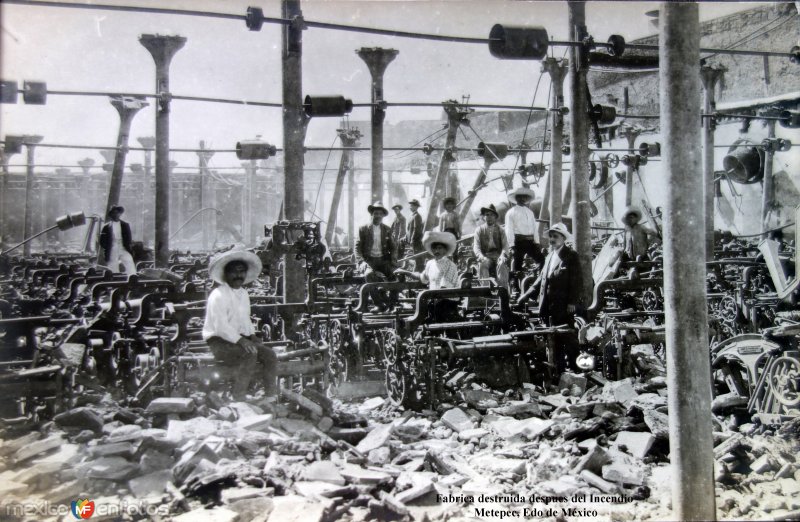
(380, 271)
(525, 245)
(248, 366)
(419, 261)
(567, 347)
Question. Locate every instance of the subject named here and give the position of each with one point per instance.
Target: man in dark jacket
(376, 252)
(559, 290)
(115, 242)
(416, 228)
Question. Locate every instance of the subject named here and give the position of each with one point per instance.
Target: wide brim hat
(414, 202)
(377, 206)
(632, 210)
(490, 208)
(397, 206)
(561, 228)
(522, 191)
(119, 208)
(446, 238)
(216, 268)
(448, 199)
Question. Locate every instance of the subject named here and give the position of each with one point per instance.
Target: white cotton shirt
(116, 232)
(376, 250)
(519, 221)
(440, 273)
(228, 314)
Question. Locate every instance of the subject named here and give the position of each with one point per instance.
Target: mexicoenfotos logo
(83, 509)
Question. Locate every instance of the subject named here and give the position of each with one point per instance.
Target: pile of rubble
(588, 449)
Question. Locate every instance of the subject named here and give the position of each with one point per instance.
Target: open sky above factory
(98, 50)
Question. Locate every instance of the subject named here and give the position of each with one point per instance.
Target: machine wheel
(784, 381)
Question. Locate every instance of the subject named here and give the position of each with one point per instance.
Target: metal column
(709, 77)
(351, 211)
(377, 60)
(207, 199)
(148, 142)
(349, 138)
(579, 141)
(162, 48)
(27, 227)
(557, 69)
(768, 198)
(688, 368)
(127, 108)
(5, 158)
(294, 130)
(456, 115)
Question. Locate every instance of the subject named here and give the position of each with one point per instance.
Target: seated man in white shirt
(228, 329)
(439, 272)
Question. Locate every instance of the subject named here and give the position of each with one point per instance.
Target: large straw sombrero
(633, 210)
(522, 191)
(216, 268)
(445, 238)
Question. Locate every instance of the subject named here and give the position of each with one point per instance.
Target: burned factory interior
(355, 260)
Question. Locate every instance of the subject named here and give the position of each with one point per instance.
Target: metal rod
(579, 140)
(294, 129)
(148, 205)
(28, 240)
(709, 77)
(768, 196)
(360, 29)
(686, 309)
(175, 234)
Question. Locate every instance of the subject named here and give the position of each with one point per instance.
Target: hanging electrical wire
(324, 169)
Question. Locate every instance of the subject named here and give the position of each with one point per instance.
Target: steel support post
(351, 211)
(208, 219)
(127, 108)
(148, 142)
(768, 198)
(709, 77)
(557, 69)
(456, 114)
(5, 158)
(294, 130)
(579, 141)
(377, 60)
(688, 367)
(162, 48)
(348, 138)
(27, 227)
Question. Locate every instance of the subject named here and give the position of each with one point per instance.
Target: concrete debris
(457, 420)
(310, 458)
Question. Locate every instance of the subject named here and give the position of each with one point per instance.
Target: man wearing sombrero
(638, 237)
(115, 240)
(228, 329)
(559, 290)
(376, 252)
(441, 271)
(521, 230)
(490, 247)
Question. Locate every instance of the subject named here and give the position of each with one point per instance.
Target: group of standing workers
(229, 330)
